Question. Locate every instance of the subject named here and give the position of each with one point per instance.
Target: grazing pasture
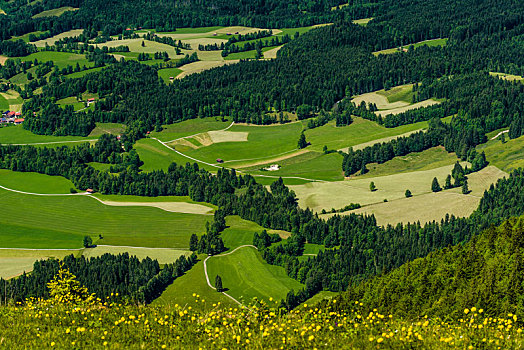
(34, 182)
(246, 276)
(167, 73)
(107, 128)
(61, 59)
(189, 127)
(63, 221)
(18, 135)
(185, 289)
(363, 21)
(359, 132)
(135, 46)
(506, 156)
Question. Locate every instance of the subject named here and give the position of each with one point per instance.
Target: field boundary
(48, 143)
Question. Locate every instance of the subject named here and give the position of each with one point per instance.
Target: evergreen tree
(448, 185)
(218, 284)
(465, 188)
(408, 194)
(435, 187)
(193, 242)
(302, 143)
(87, 241)
(372, 187)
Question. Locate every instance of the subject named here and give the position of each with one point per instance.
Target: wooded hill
(486, 273)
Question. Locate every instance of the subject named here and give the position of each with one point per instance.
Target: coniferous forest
(436, 268)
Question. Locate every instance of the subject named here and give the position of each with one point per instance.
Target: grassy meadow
(246, 275)
(18, 135)
(506, 156)
(55, 12)
(62, 222)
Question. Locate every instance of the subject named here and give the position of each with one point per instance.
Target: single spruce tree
(372, 187)
(302, 143)
(448, 185)
(435, 187)
(193, 242)
(465, 188)
(408, 194)
(218, 284)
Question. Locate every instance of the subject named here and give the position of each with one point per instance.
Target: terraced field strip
(381, 140)
(163, 255)
(51, 41)
(174, 207)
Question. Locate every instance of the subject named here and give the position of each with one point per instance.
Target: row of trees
(108, 276)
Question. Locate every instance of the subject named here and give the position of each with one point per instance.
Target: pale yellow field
(272, 53)
(327, 195)
(175, 207)
(228, 136)
(428, 206)
(14, 99)
(200, 66)
(399, 110)
(505, 76)
(234, 29)
(3, 59)
(384, 139)
(52, 40)
(163, 255)
(378, 99)
(135, 45)
(14, 262)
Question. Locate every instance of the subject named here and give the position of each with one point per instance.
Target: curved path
(46, 194)
(231, 252)
(238, 171)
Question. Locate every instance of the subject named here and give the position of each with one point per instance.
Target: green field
(506, 156)
(55, 12)
(4, 105)
(263, 141)
(62, 221)
(167, 73)
(61, 59)
(246, 276)
(403, 93)
(84, 72)
(156, 156)
(430, 43)
(71, 101)
(426, 160)
(107, 128)
(189, 127)
(15, 262)
(310, 165)
(360, 131)
(18, 135)
(240, 232)
(34, 182)
(193, 282)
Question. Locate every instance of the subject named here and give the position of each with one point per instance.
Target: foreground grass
(261, 326)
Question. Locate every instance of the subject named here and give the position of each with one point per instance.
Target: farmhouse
(90, 190)
(219, 160)
(19, 121)
(90, 100)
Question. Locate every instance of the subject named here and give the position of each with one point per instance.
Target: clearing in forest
(200, 66)
(163, 255)
(14, 262)
(510, 77)
(430, 43)
(55, 12)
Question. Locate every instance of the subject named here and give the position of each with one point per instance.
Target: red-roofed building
(18, 114)
(90, 190)
(219, 160)
(11, 114)
(19, 121)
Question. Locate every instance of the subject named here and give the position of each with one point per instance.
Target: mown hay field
(55, 12)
